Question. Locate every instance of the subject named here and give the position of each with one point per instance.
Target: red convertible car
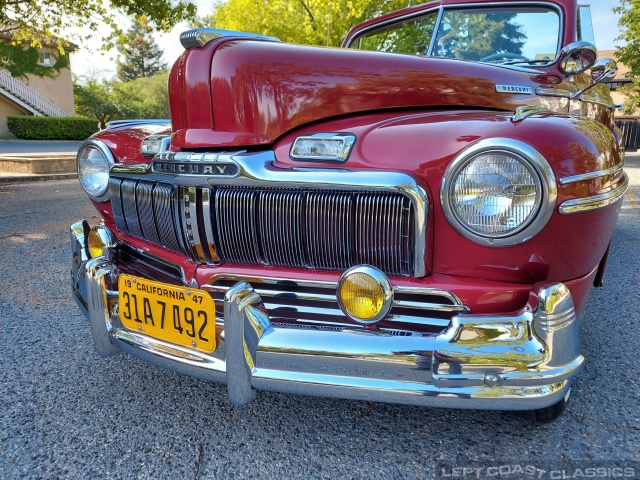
(416, 218)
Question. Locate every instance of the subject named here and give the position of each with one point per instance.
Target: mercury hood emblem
(187, 163)
(514, 89)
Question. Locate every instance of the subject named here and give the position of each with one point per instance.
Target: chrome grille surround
(328, 218)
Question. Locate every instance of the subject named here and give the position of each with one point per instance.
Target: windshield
(505, 35)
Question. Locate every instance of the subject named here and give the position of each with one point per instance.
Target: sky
(90, 61)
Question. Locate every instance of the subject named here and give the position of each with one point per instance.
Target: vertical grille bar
(144, 196)
(115, 192)
(193, 200)
(129, 207)
(184, 213)
(204, 219)
(165, 209)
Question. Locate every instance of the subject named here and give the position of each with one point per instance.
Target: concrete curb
(7, 179)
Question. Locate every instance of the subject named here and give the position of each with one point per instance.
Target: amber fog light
(101, 242)
(365, 294)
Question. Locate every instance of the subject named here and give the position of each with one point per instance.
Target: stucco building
(36, 95)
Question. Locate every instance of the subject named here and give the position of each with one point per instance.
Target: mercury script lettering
(194, 169)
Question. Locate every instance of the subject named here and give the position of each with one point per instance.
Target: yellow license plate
(179, 315)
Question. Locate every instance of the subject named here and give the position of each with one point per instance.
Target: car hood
(260, 90)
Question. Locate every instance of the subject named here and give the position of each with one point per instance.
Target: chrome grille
(153, 205)
(321, 229)
(235, 222)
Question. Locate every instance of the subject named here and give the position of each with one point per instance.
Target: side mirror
(577, 57)
(604, 70)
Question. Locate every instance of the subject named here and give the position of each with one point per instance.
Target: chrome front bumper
(523, 360)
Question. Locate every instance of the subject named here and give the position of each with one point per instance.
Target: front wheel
(550, 413)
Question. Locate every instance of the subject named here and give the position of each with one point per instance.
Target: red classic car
(416, 218)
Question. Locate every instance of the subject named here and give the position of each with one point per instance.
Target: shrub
(51, 128)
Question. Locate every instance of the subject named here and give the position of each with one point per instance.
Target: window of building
(45, 59)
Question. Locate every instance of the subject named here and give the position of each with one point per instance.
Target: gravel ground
(67, 413)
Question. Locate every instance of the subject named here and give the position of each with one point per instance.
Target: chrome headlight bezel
(102, 194)
(533, 160)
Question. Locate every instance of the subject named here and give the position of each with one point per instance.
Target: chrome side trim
(554, 92)
(594, 202)
(591, 175)
(527, 111)
(452, 297)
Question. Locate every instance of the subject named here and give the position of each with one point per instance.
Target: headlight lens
(495, 194)
(94, 162)
(499, 192)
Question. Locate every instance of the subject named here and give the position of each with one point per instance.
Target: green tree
(629, 53)
(145, 97)
(93, 99)
(312, 22)
(142, 56)
(42, 21)
(478, 35)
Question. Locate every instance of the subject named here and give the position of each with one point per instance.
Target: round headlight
(94, 161)
(499, 192)
(365, 294)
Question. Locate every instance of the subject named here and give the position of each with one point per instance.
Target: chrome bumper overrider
(516, 361)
